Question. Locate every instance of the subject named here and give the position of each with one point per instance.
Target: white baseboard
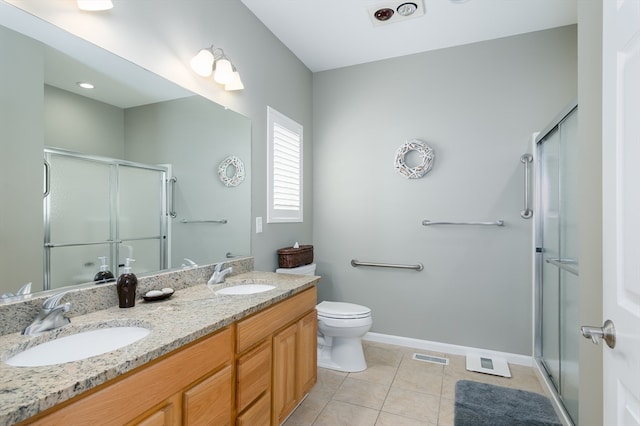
(447, 348)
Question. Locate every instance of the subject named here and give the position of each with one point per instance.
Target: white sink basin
(78, 346)
(243, 289)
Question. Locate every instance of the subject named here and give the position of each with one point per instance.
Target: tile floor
(396, 390)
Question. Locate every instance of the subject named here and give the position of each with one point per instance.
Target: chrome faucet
(190, 264)
(50, 316)
(25, 289)
(219, 274)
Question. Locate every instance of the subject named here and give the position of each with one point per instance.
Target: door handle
(606, 333)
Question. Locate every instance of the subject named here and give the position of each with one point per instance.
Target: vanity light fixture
(214, 61)
(95, 5)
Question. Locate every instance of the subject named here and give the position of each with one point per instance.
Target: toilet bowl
(340, 330)
(341, 327)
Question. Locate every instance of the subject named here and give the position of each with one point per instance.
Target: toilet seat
(341, 310)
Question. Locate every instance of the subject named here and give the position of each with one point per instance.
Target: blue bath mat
(482, 404)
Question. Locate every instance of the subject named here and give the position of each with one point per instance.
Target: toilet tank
(300, 270)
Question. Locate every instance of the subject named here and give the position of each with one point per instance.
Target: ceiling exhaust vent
(395, 11)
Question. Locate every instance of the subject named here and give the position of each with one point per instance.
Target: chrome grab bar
(203, 221)
(418, 267)
(526, 159)
(428, 222)
(172, 209)
(47, 178)
(564, 264)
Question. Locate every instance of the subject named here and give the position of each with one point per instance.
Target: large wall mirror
(86, 173)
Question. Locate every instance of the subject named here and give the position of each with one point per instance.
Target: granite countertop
(189, 314)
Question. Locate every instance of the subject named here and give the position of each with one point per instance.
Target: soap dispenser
(104, 275)
(126, 285)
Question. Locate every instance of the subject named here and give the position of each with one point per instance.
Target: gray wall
(21, 105)
(81, 124)
(163, 40)
(476, 106)
(195, 135)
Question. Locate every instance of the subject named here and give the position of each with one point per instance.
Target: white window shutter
(284, 168)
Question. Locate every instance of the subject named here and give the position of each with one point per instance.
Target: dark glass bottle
(103, 275)
(126, 285)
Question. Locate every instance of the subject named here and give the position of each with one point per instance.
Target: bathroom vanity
(214, 359)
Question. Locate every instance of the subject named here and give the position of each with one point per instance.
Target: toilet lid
(342, 310)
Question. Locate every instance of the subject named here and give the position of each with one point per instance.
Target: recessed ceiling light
(95, 5)
(85, 85)
(383, 14)
(406, 9)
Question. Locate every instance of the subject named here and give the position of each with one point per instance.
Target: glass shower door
(141, 210)
(548, 154)
(78, 219)
(569, 245)
(558, 244)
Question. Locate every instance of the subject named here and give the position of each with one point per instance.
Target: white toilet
(340, 330)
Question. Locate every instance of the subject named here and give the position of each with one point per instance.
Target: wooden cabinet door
(136, 394)
(284, 373)
(209, 402)
(306, 362)
(259, 414)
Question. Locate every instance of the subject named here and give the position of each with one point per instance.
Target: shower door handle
(606, 333)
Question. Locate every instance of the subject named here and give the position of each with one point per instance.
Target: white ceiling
(328, 34)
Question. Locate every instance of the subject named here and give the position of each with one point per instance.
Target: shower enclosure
(98, 206)
(557, 257)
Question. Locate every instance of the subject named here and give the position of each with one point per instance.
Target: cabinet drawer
(253, 374)
(255, 328)
(259, 414)
(167, 414)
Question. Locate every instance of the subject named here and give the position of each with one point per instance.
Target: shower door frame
(114, 194)
(538, 265)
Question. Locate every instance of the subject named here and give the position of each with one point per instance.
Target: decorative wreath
(237, 177)
(426, 156)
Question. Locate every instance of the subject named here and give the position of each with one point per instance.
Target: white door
(621, 212)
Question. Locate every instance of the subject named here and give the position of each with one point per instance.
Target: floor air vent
(431, 358)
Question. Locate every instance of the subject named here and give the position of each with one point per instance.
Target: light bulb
(202, 63)
(407, 9)
(224, 71)
(235, 83)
